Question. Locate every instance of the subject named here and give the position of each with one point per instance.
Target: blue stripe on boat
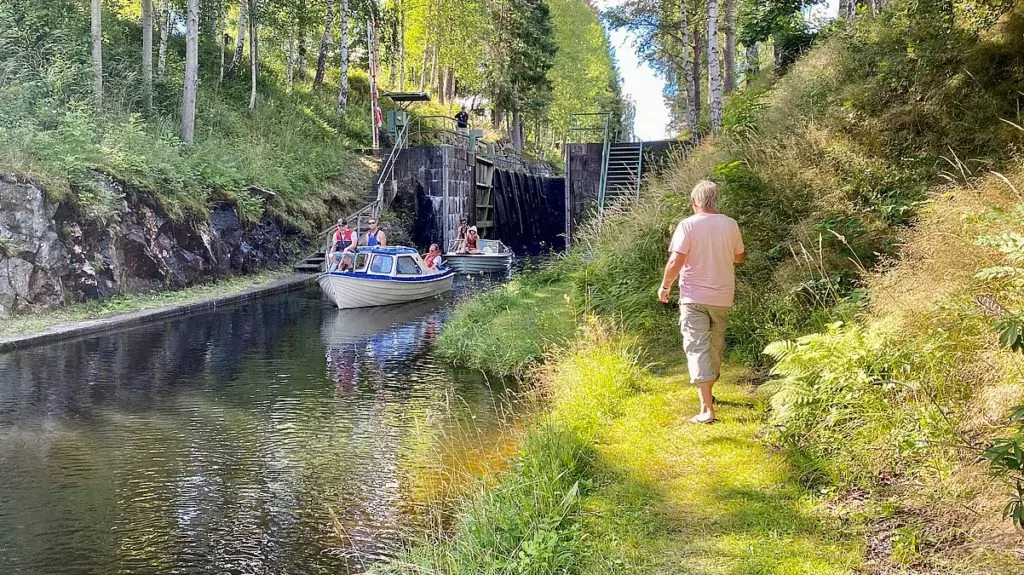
(366, 276)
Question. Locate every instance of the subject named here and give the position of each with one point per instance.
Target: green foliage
(292, 143)
(507, 330)
(1006, 457)
(583, 75)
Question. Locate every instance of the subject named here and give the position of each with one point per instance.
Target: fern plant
(1006, 456)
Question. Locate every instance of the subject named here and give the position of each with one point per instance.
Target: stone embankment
(50, 254)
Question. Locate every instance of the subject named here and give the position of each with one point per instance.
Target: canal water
(275, 436)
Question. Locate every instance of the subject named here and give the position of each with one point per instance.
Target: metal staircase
(621, 172)
(385, 187)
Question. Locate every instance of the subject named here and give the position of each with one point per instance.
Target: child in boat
(472, 242)
(431, 258)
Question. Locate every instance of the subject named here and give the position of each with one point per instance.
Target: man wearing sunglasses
(376, 236)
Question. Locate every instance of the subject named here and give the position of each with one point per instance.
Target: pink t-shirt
(710, 243)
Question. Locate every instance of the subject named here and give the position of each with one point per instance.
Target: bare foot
(704, 417)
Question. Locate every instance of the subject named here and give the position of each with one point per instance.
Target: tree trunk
(401, 48)
(303, 56)
(147, 52)
(449, 83)
(433, 69)
(496, 117)
(289, 60)
(236, 58)
(517, 129)
(698, 51)
(188, 98)
(165, 30)
(714, 68)
(254, 50)
(688, 84)
(325, 42)
(224, 43)
(423, 68)
(753, 62)
(776, 53)
(97, 54)
(730, 46)
(343, 70)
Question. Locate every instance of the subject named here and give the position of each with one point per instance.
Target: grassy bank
(507, 330)
(612, 480)
(27, 324)
(878, 186)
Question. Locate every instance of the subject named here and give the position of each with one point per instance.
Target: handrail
(389, 165)
(602, 189)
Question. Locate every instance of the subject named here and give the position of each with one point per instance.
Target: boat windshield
(381, 264)
(408, 266)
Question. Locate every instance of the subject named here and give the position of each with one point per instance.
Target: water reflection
(238, 441)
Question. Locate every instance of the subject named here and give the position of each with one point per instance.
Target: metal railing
(387, 172)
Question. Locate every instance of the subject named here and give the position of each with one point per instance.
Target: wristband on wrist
(668, 288)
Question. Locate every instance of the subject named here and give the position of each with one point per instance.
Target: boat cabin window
(360, 265)
(408, 266)
(381, 264)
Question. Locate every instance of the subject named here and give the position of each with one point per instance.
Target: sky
(645, 87)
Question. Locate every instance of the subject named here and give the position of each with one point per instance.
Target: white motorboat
(494, 256)
(385, 276)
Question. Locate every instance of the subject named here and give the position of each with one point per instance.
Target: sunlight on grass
(708, 499)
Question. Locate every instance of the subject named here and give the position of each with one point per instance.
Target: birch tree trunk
(423, 68)
(188, 98)
(165, 30)
(688, 84)
(225, 41)
(325, 42)
(698, 51)
(433, 69)
(401, 48)
(714, 68)
(730, 46)
(147, 52)
(254, 50)
(236, 58)
(753, 62)
(97, 54)
(289, 59)
(343, 69)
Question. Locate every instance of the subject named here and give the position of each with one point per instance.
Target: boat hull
(347, 290)
(478, 263)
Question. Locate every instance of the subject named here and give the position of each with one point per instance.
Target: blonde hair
(705, 195)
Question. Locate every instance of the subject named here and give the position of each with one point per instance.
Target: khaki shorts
(703, 328)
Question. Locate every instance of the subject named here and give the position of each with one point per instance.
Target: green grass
(33, 323)
(612, 480)
(506, 330)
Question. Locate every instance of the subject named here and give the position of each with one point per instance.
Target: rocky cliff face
(50, 254)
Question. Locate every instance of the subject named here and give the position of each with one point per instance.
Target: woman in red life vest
(432, 256)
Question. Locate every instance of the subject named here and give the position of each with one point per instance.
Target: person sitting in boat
(432, 257)
(376, 236)
(343, 245)
(471, 246)
(460, 234)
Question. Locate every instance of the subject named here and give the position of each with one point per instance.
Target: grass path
(679, 498)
